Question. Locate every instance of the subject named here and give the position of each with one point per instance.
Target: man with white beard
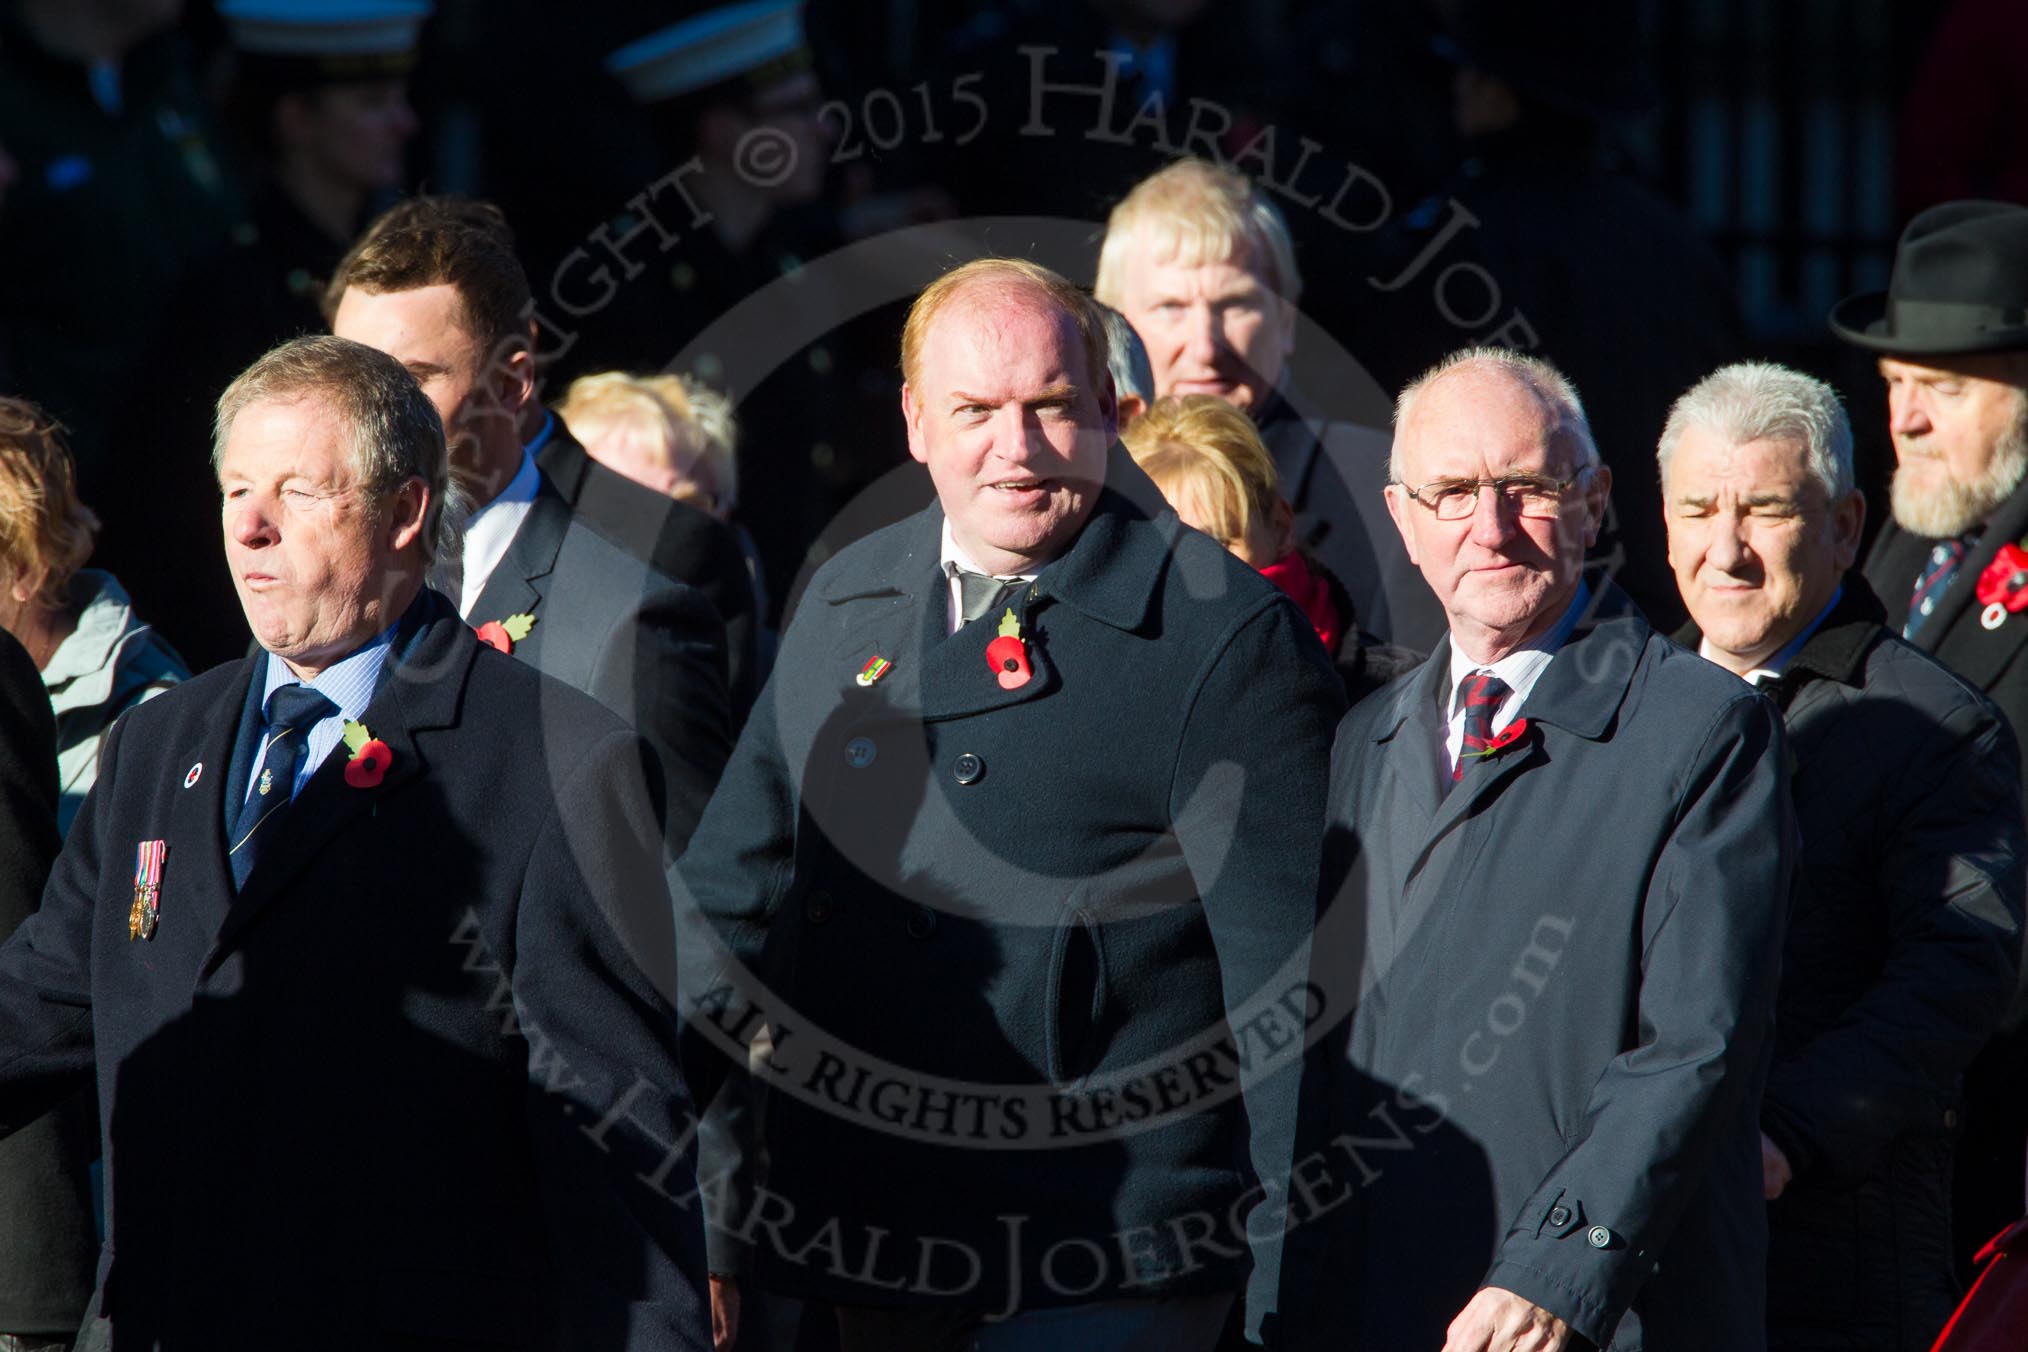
(1951, 332)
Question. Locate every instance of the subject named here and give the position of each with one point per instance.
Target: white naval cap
(324, 28)
(712, 48)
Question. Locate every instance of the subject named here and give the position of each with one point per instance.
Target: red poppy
(1008, 657)
(1514, 732)
(368, 765)
(494, 633)
(2005, 581)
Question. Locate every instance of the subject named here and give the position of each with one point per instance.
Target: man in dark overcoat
(1951, 334)
(1011, 860)
(435, 285)
(365, 936)
(1901, 951)
(1557, 874)
(1199, 260)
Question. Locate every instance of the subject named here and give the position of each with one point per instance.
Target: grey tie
(978, 594)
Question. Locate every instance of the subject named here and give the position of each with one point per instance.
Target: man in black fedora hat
(1951, 563)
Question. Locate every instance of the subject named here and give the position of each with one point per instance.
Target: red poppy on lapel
(1007, 655)
(2003, 586)
(370, 756)
(1514, 732)
(504, 634)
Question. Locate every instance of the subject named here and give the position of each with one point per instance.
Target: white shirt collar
(1520, 669)
(491, 529)
(952, 558)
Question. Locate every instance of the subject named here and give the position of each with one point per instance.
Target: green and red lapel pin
(504, 634)
(370, 756)
(1007, 655)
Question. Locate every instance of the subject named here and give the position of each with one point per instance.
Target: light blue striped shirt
(349, 684)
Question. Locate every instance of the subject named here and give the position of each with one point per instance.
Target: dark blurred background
(1699, 180)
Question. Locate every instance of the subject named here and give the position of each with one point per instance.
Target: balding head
(1508, 566)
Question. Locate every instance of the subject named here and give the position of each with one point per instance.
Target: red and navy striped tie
(1937, 572)
(1482, 693)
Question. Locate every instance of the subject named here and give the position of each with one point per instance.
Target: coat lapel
(1958, 608)
(421, 690)
(521, 579)
(196, 873)
(1580, 693)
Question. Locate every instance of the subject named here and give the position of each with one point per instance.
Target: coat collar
(531, 557)
(1837, 650)
(423, 689)
(1583, 688)
(2006, 526)
(1111, 573)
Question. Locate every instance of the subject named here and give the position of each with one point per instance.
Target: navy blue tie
(1938, 571)
(292, 710)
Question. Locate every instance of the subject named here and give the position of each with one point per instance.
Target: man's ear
(911, 417)
(1109, 407)
(1398, 507)
(407, 514)
(1848, 523)
(1597, 494)
(513, 376)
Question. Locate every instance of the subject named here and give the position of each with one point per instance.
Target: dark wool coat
(1059, 899)
(1567, 970)
(47, 1239)
(403, 1087)
(647, 647)
(693, 547)
(1899, 963)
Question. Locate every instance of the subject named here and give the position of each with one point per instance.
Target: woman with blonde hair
(1208, 459)
(96, 656)
(674, 435)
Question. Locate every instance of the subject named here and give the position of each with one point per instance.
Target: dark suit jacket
(1899, 962)
(1333, 474)
(402, 1088)
(1995, 659)
(1058, 897)
(47, 1242)
(1568, 968)
(645, 646)
(676, 539)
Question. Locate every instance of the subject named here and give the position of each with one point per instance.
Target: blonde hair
(1196, 212)
(682, 426)
(1008, 274)
(45, 531)
(1200, 445)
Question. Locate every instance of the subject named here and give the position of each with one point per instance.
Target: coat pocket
(1077, 995)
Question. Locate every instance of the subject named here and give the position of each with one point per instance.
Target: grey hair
(1549, 385)
(1127, 357)
(392, 430)
(1760, 401)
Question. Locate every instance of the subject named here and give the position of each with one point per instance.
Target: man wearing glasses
(1557, 878)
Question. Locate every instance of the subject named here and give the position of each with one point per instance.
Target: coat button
(859, 752)
(1599, 1236)
(1950, 1119)
(1559, 1215)
(968, 768)
(922, 924)
(817, 909)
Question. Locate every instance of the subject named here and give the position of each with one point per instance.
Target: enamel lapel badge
(147, 889)
(874, 670)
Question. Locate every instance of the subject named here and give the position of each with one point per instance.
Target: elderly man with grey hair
(1200, 262)
(1556, 875)
(1905, 936)
(366, 939)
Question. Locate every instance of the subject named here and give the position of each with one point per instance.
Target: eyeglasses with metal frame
(1529, 495)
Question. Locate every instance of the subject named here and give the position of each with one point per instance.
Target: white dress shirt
(1520, 669)
(491, 529)
(951, 560)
